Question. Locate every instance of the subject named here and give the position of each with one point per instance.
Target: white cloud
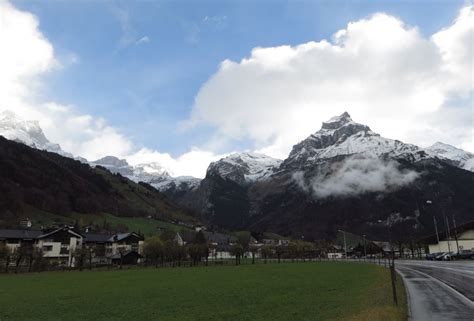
(193, 163)
(143, 40)
(25, 57)
(357, 175)
(383, 72)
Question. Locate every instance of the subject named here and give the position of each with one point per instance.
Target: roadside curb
(409, 315)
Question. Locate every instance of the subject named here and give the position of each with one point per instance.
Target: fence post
(393, 278)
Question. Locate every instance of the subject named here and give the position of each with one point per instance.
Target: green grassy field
(298, 291)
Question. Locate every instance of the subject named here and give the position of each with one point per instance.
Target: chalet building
(60, 245)
(57, 245)
(15, 238)
(185, 237)
(98, 242)
(109, 246)
(220, 245)
(335, 252)
(124, 242)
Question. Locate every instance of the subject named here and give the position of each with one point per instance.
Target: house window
(47, 248)
(13, 241)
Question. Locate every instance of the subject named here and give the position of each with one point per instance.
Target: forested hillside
(34, 180)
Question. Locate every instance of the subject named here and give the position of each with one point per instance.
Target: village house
(60, 245)
(16, 237)
(220, 245)
(111, 248)
(57, 245)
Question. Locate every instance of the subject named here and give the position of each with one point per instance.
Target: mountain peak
(459, 157)
(28, 132)
(337, 121)
(341, 136)
(244, 167)
(110, 161)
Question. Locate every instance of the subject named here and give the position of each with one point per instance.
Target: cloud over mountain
(357, 175)
(378, 68)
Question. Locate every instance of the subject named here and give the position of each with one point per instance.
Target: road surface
(439, 291)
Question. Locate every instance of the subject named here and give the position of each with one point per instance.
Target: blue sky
(147, 88)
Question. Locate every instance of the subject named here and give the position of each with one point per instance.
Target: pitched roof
(19, 234)
(188, 236)
(121, 236)
(97, 237)
(64, 228)
(220, 238)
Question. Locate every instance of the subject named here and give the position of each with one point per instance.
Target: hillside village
(71, 247)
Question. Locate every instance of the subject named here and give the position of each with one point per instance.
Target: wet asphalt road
(441, 291)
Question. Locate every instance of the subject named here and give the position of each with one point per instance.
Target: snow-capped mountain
(114, 165)
(244, 167)
(342, 176)
(459, 157)
(28, 132)
(341, 136)
(151, 173)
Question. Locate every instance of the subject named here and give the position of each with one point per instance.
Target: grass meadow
(285, 292)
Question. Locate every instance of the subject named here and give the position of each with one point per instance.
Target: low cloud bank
(357, 175)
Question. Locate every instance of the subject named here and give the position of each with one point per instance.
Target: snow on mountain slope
(341, 136)
(460, 157)
(151, 173)
(114, 165)
(27, 132)
(244, 167)
(180, 183)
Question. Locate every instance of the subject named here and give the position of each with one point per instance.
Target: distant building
(447, 241)
(16, 237)
(26, 223)
(108, 246)
(60, 245)
(126, 258)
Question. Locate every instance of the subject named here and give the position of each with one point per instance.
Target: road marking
(453, 290)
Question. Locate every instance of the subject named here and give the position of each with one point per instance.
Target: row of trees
(160, 249)
(164, 249)
(27, 255)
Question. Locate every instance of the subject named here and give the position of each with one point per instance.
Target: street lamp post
(435, 225)
(365, 250)
(345, 243)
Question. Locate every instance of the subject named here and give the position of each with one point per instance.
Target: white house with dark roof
(57, 245)
(108, 246)
(60, 244)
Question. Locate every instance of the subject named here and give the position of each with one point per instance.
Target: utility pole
(345, 244)
(448, 235)
(435, 225)
(455, 233)
(437, 235)
(365, 250)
